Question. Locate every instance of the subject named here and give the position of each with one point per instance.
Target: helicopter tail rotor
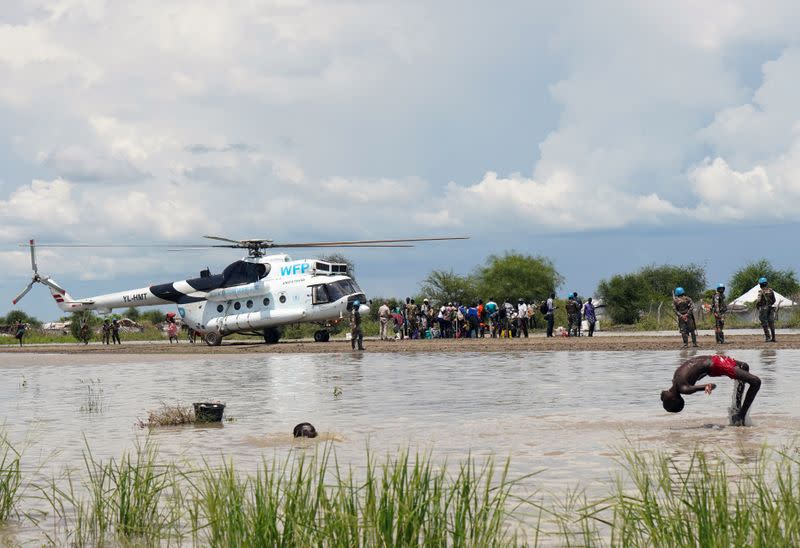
(56, 290)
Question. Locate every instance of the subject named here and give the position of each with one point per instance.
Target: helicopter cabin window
(242, 272)
(220, 308)
(266, 301)
(237, 305)
(319, 295)
(282, 299)
(249, 304)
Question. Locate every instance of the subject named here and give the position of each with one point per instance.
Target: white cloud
(42, 204)
(273, 118)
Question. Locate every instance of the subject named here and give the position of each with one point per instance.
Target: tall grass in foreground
(704, 501)
(696, 499)
(305, 501)
(10, 478)
(130, 500)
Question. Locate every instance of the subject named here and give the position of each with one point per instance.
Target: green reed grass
(312, 501)
(698, 500)
(693, 499)
(10, 478)
(130, 500)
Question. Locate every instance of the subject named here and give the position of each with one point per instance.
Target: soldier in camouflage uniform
(413, 321)
(719, 307)
(684, 310)
(356, 335)
(765, 304)
(573, 315)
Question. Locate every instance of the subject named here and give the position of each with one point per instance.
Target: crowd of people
(479, 319)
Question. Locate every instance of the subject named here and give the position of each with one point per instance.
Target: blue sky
(606, 135)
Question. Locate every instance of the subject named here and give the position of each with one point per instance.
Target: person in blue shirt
(473, 320)
(491, 313)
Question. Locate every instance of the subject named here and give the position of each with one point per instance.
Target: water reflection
(769, 357)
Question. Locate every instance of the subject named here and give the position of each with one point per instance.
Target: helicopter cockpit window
(242, 272)
(342, 288)
(319, 294)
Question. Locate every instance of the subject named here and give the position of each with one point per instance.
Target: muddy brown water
(564, 413)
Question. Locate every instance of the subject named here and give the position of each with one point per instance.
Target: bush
(782, 281)
(19, 316)
(627, 296)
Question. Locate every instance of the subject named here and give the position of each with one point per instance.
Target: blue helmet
(679, 291)
(720, 286)
(356, 303)
(762, 280)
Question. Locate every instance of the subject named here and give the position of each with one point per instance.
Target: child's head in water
(673, 402)
(304, 430)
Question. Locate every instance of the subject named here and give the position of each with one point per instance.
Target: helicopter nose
(363, 309)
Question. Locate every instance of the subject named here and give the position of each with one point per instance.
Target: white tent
(744, 306)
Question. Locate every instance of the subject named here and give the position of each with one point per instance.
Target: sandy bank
(534, 344)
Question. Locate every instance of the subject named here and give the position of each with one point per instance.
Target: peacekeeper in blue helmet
(719, 307)
(684, 310)
(765, 303)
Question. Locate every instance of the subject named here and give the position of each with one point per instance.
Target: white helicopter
(255, 295)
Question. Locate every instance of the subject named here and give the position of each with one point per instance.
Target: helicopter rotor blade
(305, 246)
(24, 292)
(254, 245)
(221, 239)
(362, 242)
(121, 246)
(33, 257)
(52, 284)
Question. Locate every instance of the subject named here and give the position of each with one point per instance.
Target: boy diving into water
(694, 369)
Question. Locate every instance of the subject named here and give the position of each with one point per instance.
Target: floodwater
(563, 413)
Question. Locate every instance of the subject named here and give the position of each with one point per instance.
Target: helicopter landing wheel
(212, 338)
(322, 335)
(271, 335)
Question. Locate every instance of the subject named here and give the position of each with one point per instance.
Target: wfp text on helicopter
(256, 294)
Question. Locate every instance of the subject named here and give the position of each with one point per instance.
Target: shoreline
(536, 343)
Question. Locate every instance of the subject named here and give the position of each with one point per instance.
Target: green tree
(782, 281)
(19, 316)
(152, 316)
(77, 320)
(442, 286)
(514, 275)
(626, 296)
(133, 313)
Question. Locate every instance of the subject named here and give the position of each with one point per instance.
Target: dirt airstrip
(617, 342)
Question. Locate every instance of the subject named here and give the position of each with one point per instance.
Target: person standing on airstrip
(19, 332)
(356, 335)
(765, 304)
(719, 307)
(573, 315)
(550, 315)
(115, 332)
(106, 331)
(384, 315)
(589, 314)
(684, 310)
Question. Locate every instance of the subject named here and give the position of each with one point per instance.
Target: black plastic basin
(208, 412)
